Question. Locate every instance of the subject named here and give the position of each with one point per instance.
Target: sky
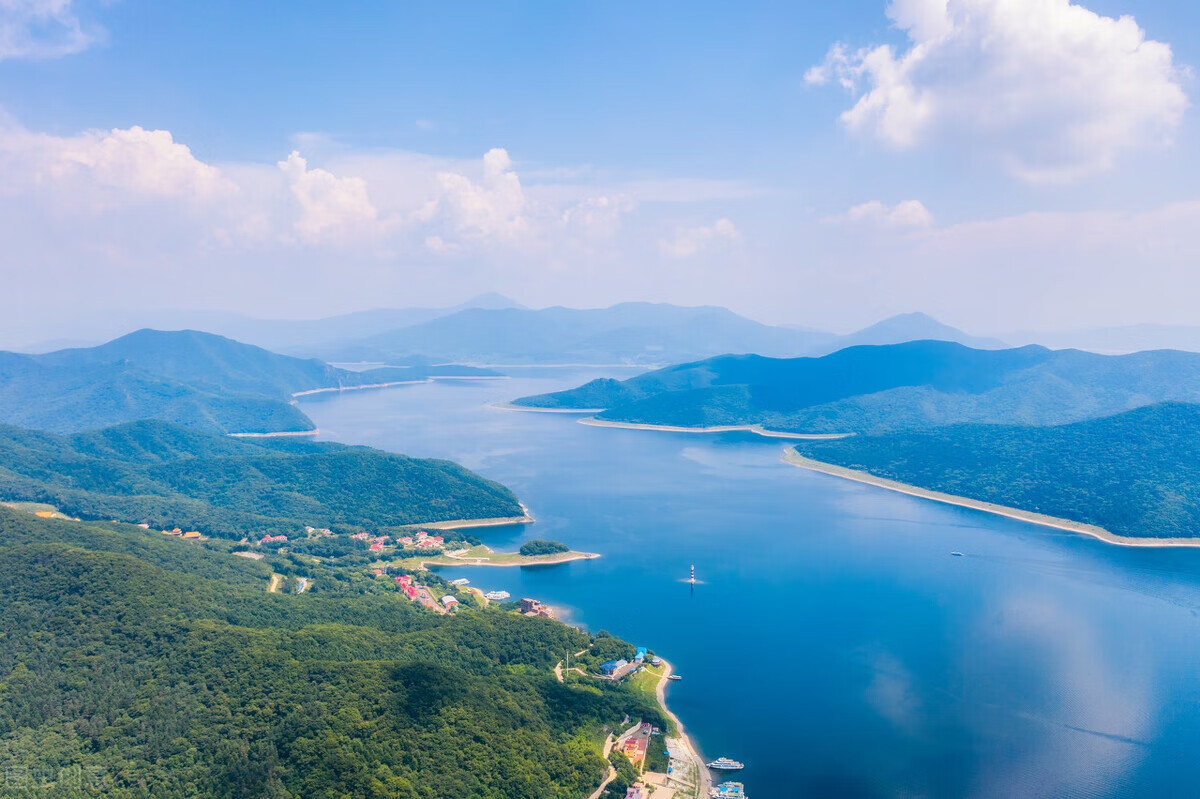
(1000, 164)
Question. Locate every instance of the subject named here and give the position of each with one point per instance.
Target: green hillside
(187, 377)
(1135, 474)
(146, 667)
(901, 386)
(170, 476)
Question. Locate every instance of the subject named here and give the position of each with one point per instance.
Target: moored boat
(725, 764)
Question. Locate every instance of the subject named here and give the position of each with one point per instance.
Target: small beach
(752, 428)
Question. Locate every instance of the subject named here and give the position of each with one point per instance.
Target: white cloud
(492, 207)
(134, 162)
(331, 208)
(906, 214)
(688, 241)
(1053, 89)
(41, 29)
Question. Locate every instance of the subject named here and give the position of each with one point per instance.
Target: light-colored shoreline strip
(702, 773)
(550, 560)
(508, 406)
(428, 379)
(796, 459)
(749, 428)
(285, 434)
(463, 524)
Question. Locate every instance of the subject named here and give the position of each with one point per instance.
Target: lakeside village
(671, 770)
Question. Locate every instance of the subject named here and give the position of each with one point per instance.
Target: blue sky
(1006, 164)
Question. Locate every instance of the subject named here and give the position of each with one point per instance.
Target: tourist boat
(957, 554)
(725, 764)
(728, 790)
(674, 677)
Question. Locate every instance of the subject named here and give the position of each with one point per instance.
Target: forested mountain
(1135, 474)
(170, 476)
(136, 666)
(192, 378)
(911, 385)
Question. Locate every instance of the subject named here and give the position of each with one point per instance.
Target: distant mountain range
(628, 333)
(493, 329)
(875, 388)
(1135, 474)
(188, 377)
(289, 336)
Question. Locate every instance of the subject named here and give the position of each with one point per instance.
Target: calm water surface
(835, 646)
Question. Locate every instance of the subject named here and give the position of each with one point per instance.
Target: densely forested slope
(191, 378)
(170, 476)
(1135, 474)
(877, 388)
(159, 677)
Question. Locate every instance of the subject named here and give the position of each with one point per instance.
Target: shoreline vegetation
(794, 458)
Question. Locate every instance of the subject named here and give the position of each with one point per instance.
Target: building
(641, 654)
(531, 606)
(611, 667)
(450, 602)
(267, 539)
(194, 534)
(376, 547)
(636, 791)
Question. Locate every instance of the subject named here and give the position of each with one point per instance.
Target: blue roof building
(609, 667)
(641, 654)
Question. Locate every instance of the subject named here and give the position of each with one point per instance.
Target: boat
(728, 790)
(674, 677)
(957, 554)
(725, 764)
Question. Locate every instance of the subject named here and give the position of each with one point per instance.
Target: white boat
(725, 764)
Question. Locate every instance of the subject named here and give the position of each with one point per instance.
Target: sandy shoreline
(287, 434)
(749, 428)
(415, 382)
(796, 459)
(508, 406)
(552, 561)
(463, 524)
(688, 744)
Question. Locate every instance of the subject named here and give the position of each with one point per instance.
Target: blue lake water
(834, 645)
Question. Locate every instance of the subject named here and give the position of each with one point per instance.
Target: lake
(834, 645)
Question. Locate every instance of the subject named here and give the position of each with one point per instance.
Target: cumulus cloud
(331, 208)
(41, 29)
(492, 207)
(689, 241)
(1055, 90)
(906, 214)
(133, 161)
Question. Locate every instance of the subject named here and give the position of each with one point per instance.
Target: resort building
(450, 602)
